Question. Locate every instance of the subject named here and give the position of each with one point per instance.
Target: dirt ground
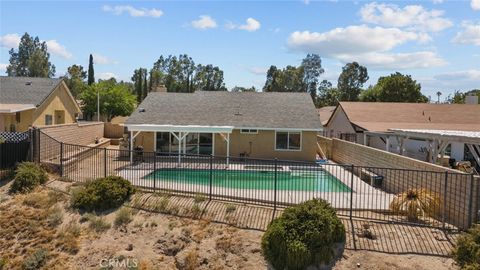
(184, 233)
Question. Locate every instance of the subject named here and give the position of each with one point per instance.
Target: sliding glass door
(193, 143)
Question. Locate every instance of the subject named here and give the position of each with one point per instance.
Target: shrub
(98, 224)
(28, 176)
(36, 260)
(102, 194)
(55, 216)
(467, 249)
(303, 235)
(123, 217)
(416, 202)
(230, 208)
(199, 198)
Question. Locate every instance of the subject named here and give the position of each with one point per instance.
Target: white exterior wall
(458, 151)
(339, 123)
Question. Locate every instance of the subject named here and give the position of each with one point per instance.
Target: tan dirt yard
(173, 232)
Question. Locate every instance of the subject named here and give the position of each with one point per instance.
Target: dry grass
(191, 260)
(30, 234)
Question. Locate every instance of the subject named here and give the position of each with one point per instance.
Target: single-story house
(27, 102)
(250, 124)
(383, 125)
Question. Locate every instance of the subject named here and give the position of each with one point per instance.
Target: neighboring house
(383, 123)
(325, 113)
(260, 125)
(27, 102)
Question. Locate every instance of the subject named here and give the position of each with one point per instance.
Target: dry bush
(123, 217)
(416, 202)
(191, 260)
(55, 216)
(96, 223)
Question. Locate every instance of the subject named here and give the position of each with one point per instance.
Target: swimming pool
(318, 180)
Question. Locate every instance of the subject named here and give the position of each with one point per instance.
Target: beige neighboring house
(27, 102)
(258, 125)
(407, 128)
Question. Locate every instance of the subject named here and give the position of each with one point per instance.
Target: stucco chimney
(160, 88)
(471, 99)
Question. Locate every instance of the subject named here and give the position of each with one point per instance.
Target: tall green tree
(289, 79)
(181, 74)
(75, 79)
(209, 78)
(351, 80)
(327, 95)
(139, 79)
(91, 72)
(312, 67)
(395, 88)
(116, 99)
(243, 89)
(31, 59)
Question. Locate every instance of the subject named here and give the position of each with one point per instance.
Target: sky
(436, 42)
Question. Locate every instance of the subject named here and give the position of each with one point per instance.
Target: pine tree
(91, 75)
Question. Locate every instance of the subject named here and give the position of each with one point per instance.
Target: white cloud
(412, 16)
(396, 61)
(13, 40)
(352, 39)
(437, 1)
(107, 75)
(475, 4)
(3, 67)
(133, 12)
(10, 41)
(204, 22)
(469, 35)
(250, 25)
(56, 48)
(258, 70)
(469, 75)
(102, 60)
(371, 46)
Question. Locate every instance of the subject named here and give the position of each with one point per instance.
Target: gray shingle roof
(26, 90)
(247, 110)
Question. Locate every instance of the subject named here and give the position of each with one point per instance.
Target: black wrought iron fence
(449, 199)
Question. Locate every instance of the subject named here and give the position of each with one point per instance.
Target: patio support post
(387, 143)
(179, 138)
(213, 144)
(365, 138)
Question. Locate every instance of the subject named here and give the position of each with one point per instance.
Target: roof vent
(141, 110)
(28, 83)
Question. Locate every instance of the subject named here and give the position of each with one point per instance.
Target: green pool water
(295, 180)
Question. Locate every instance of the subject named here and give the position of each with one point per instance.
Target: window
(17, 117)
(249, 131)
(288, 141)
(48, 119)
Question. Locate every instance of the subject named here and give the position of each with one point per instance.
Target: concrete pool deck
(362, 197)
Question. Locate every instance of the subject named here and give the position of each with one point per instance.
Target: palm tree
(438, 95)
